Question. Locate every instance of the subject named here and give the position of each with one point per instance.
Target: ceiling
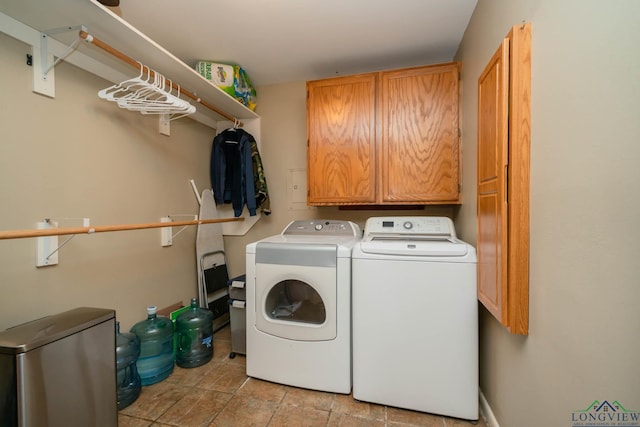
(281, 41)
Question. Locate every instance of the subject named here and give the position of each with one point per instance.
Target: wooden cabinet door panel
(493, 143)
(341, 140)
(489, 272)
(420, 141)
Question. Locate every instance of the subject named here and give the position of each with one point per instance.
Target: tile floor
(220, 394)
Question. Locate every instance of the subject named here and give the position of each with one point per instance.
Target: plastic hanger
(148, 97)
(120, 89)
(235, 126)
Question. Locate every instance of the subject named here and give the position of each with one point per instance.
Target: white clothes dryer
(415, 317)
(299, 305)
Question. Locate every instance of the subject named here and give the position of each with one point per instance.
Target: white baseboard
(486, 413)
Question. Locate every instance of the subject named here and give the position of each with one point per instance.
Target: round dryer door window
(295, 301)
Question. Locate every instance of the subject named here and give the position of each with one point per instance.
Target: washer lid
(424, 246)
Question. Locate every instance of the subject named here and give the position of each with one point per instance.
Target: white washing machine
(299, 305)
(415, 319)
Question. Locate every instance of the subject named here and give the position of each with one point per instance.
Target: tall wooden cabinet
(504, 132)
(387, 138)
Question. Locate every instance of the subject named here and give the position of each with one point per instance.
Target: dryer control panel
(323, 227)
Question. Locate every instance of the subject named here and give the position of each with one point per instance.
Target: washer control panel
(434, 226)
(322, 227)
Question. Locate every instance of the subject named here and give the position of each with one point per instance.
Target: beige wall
(80, 156)
(585, 181)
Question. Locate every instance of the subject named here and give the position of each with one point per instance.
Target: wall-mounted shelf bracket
(43, 61)
(48, 247)
(166, 239)
(44, 36)
(164, 124)
(166, 233)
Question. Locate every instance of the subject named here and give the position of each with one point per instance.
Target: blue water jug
(194, 329)
(156, 347)
(128, 379)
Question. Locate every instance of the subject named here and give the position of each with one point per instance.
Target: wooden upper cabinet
(504, 133)
(341, 140)
(420, 151)
(384, 138)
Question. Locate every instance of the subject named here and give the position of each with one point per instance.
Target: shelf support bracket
(48, 247)
(166, 233)
(43, 66)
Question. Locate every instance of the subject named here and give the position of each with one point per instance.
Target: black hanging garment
(237, 176)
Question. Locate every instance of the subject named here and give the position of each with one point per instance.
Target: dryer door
(296, 291)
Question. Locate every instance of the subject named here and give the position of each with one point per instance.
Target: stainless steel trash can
(237, 315)
(60, 371)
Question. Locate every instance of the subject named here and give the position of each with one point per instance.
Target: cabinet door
(493, 122)
(341, 140)
(504, 135)
(420, 150)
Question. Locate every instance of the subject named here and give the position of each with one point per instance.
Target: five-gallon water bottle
(156, 347)
(128, 379)
(194, 329)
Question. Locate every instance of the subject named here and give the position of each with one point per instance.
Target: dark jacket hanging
(231, 171)
(236, 172)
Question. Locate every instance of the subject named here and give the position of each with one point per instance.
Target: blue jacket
(232, 171)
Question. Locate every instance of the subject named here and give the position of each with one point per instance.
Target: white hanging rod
(127, 59)
(20, 234)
